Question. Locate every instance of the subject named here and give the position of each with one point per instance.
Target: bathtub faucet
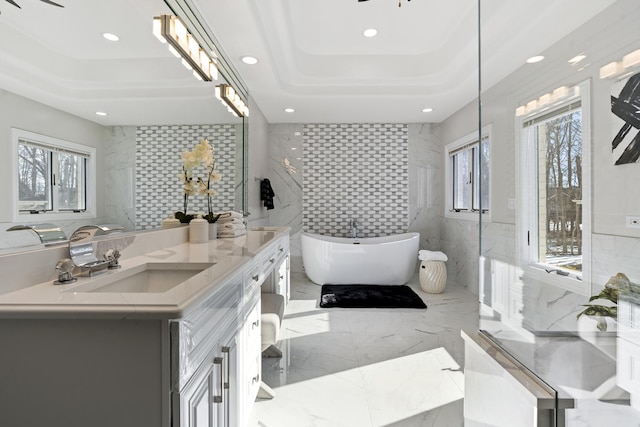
(353, 228)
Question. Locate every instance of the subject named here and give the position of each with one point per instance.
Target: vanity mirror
(93, 73)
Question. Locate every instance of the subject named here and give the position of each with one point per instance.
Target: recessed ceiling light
(370, 32)
(250, 60)
(100, 113)
(576, 59)
(289, 110)
(427, 110)
(111, 37)
(535, 59)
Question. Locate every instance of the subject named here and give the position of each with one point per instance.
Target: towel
(230, 220)
(425, 255)
(231, 226)
(229, 214)
(231, 233)
(266, 193)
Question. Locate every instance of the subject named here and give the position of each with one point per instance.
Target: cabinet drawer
(254, 276)
(269, 260)
(282, 247)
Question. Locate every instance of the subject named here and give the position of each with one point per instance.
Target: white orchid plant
(200, 156)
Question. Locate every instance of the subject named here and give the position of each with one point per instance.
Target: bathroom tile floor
(368, 367)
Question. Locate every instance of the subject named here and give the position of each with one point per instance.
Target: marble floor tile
(368, 367)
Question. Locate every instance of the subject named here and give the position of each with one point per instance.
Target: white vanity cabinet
(218, 345)
(189, 357)
(204, 359)
(195, 402)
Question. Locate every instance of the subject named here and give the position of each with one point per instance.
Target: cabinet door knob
(256, 277)
(272, 260)
(256, 324)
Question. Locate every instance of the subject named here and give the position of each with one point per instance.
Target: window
(54, 178)
(467, 176)
(555, 177)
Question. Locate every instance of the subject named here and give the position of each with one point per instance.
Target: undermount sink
(145, 278)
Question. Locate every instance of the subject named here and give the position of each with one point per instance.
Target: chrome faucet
(353, 228)
(65, 267)
(83, 259)
(112, 256)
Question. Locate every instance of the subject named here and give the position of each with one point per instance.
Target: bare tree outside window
(461, 179)
(49, 179)
(34, 182)
(560, 191)
(71, 177)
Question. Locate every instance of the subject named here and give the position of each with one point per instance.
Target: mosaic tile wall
(355, 171)
(158, 165)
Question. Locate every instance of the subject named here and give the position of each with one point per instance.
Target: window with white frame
(555, 176)
(54, 179)
(467, 169)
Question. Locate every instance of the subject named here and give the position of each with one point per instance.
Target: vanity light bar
(170, 29)
(230, 98)
(547, 100)
(617, 68)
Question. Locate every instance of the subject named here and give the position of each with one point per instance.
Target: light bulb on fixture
(230, 98)
(169, 29)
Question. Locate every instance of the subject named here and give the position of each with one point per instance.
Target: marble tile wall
(158, 164)
(459, 241)
(285, 174)
(422, 212)
(425, 183)
(355, 171)
(120, 166)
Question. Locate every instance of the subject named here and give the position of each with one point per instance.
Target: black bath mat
(370, 296)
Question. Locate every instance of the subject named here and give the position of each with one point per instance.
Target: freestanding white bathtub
(388, 260)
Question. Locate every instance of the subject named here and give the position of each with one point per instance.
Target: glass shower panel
(558, 259)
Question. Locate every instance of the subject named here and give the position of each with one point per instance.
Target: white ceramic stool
(433, 276)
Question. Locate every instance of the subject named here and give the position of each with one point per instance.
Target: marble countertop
(227, 256)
